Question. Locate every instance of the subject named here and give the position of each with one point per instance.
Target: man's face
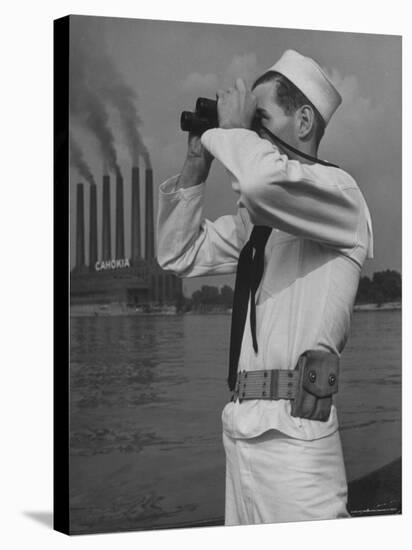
(270, 115)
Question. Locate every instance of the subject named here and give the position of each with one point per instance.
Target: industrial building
(110, 279)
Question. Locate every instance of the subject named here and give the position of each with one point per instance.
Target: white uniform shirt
(322, 235)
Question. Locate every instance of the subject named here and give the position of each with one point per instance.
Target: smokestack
(119, 218)
(164, 289)
(159, 287)
(177, 288)
(152, 291)
(93, 227)
(80, 227)
(106, 233)
(149, 226)
(136, 252)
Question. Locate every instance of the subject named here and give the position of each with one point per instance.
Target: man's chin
(264, 135)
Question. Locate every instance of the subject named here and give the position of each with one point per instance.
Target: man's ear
(305, 121)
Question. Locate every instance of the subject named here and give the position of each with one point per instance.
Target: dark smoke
(88, 107)
(97, 120)
(96, 81)
(124, 98)
(77, 160)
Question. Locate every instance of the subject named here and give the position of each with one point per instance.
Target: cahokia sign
(112, 264)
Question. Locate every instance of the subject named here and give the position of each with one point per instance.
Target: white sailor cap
(311, 80)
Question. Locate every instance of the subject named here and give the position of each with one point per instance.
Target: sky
(141, 74)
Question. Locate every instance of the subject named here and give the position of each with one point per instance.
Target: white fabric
(313, 260)
(275, 478)
(309, 77)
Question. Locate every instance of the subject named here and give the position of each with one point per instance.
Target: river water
(145, 405)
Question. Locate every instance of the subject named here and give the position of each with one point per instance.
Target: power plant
(114, 282)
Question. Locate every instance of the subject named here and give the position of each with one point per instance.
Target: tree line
(384, 286)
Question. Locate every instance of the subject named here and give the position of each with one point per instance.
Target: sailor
(297, 243)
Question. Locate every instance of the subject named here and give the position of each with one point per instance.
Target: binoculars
(204, 117)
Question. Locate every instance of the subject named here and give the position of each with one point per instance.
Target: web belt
(266, 384)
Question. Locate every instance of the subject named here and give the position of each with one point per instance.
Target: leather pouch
(317, 382)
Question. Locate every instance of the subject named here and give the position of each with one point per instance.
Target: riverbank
(118, 310)
(387, 306)
(121, 310)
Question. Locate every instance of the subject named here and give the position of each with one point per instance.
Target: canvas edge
(61, 514)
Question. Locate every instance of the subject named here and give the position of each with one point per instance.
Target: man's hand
(236, 107)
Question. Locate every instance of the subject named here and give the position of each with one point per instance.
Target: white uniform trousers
(276, 478)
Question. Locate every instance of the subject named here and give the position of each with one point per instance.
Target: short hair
(290, 98)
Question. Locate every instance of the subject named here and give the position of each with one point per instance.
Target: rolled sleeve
(190, 245)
